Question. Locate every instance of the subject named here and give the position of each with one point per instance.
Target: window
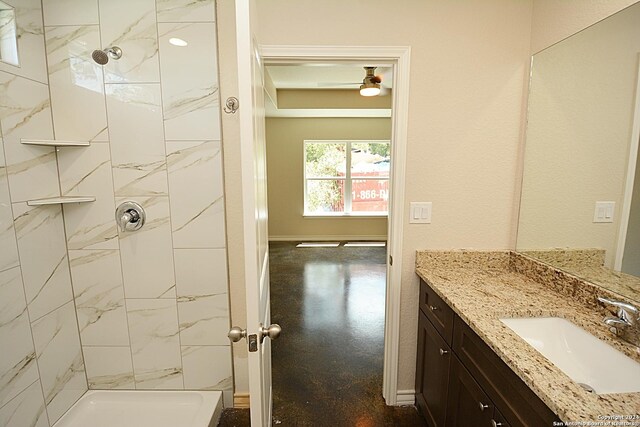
(346, 178)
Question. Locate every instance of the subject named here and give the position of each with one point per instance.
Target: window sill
(347, 215)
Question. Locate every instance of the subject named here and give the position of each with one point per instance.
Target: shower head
(102, 56)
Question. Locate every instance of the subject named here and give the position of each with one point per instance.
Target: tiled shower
(82, 304)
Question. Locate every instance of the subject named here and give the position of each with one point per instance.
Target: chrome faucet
(627, 324)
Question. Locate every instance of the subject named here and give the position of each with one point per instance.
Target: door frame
(630, 178)
(399, 57)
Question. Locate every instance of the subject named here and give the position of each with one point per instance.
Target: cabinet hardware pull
(495, 424)
(483, 406)
(433, 307)
(443, 352)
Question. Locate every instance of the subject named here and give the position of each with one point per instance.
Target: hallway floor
(327, 364)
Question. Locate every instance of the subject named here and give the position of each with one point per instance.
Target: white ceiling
(323, 76)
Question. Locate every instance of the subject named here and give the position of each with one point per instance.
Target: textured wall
(468, 73)
(152, 306)
(555, 20)
(285, 169)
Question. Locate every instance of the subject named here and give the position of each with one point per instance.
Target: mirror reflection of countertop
(588, 264)
(482, 287)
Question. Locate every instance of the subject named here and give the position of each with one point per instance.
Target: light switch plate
(420, 213)
(604, 212)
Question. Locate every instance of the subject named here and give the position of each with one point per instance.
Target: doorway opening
(328, 161)
(380, 110)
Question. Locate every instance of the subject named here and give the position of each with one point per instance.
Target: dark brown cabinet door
(432, 376)
(498, 419)
(469, 406)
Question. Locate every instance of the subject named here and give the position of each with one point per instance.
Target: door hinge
(390, 260)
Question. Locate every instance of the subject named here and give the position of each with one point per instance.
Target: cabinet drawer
(437, 311)
(518, 404)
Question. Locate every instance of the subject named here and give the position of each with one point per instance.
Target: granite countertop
(483, 287)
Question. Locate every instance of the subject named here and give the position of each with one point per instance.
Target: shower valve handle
(130, 216)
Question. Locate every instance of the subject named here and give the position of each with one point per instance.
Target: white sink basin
(584, 358)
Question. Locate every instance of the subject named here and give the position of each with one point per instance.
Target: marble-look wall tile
(137, 139)
(203, 303)
(59, 359)
(18, 362)
(76, 84)
(155, 343)
(27, 409)
(201, 271)
(186, 10)
(86, 171)
(197, 202)
(8, 247)
(207, 367)
(70, 12)
(204, 319)
(30, 34)
(191, 105)
(99, 297)
(25, 113)
(43, 256)
(147, 256)
(132, 27)
(109, 368)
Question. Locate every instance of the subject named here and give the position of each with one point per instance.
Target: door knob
(236, 334)
(273, 332)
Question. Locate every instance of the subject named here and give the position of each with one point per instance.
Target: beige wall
(555, 20)
(469, 67)
(285, 177)
(468, 73)
(330, 98)
(225, 13)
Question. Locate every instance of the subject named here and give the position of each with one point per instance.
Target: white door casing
(254, 199)
(399, 58)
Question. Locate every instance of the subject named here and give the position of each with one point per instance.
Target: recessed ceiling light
(177, 42)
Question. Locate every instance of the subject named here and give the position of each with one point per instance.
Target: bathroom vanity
(474, 370)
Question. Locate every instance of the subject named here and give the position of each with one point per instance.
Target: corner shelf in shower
(61, 200)
(54, 143)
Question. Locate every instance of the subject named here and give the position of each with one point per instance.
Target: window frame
(347, 179)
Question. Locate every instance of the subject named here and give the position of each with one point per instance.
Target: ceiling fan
(371, 84)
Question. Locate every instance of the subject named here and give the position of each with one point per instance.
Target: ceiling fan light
(370, 89)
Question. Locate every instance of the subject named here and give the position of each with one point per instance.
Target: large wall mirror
(580, 207)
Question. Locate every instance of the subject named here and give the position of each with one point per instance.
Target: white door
(254, 198)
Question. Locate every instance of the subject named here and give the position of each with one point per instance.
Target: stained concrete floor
(327, 364)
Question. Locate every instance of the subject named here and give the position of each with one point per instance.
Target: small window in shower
(8, 37)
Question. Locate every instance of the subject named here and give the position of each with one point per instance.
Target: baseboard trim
(406, 398)
(325, 238)
(241, 400)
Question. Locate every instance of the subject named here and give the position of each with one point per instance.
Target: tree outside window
(346, 177)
